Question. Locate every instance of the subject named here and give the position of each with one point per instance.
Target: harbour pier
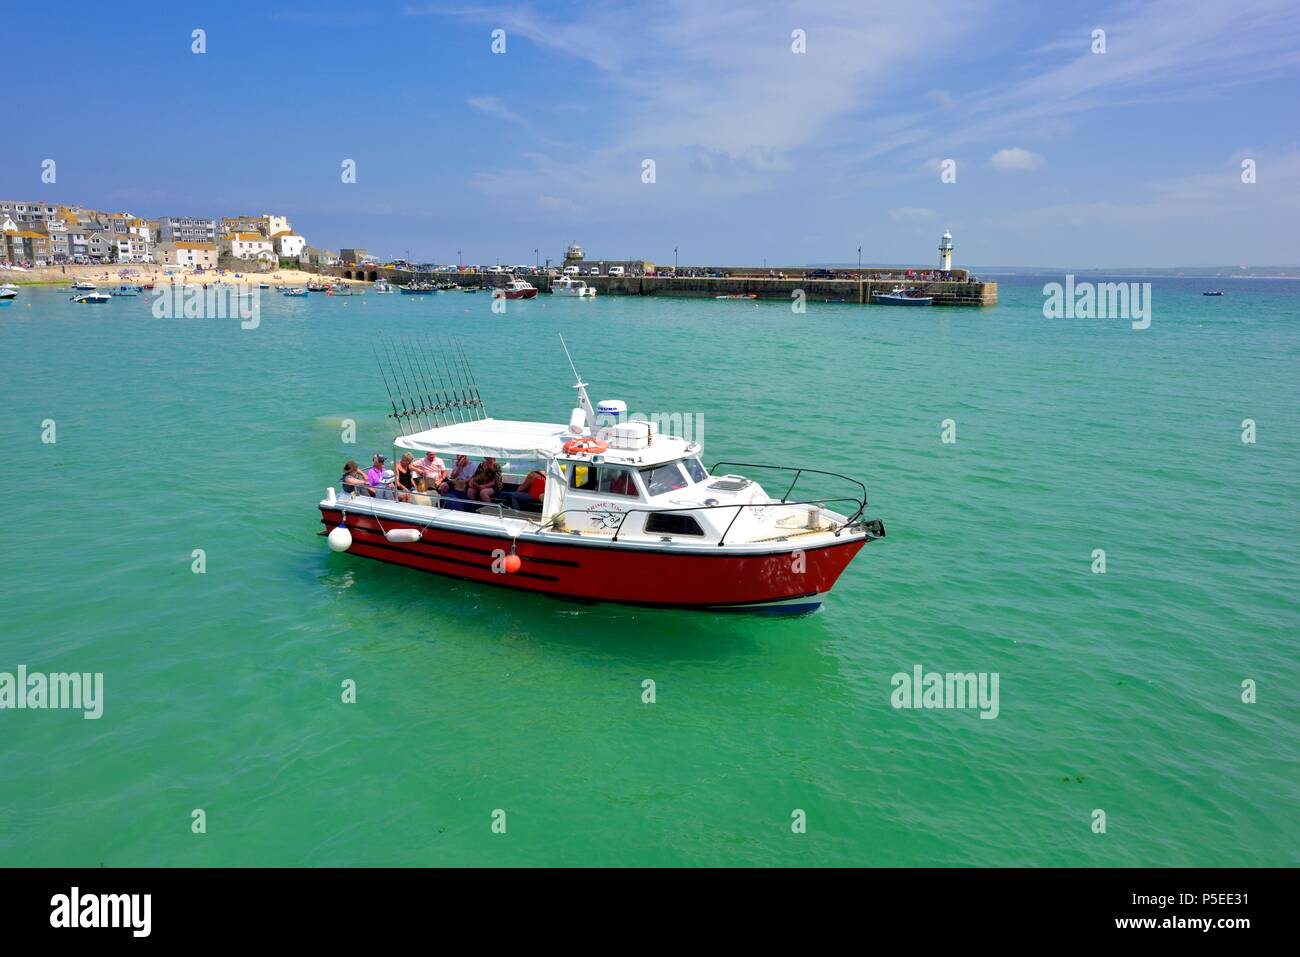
(945, 285)
(952, 291)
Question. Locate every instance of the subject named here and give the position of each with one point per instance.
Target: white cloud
(493, 106)
(1016, 160)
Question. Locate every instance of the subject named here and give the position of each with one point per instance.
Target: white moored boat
(568, 286)
(625, 513)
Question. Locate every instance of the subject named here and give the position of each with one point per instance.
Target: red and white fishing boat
(518, 289)
(628, 514)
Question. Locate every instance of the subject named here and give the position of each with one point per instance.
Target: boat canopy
(499, 438)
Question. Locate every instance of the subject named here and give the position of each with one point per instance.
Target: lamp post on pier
(674, 260)
(859, 262)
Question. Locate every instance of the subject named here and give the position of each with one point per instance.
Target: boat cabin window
(695, 470)
(663, 478)
(605, 479)
(666, 523)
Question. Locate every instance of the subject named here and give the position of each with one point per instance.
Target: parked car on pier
(616, 270)
(571, 270)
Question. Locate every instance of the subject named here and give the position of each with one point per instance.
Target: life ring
(585, 446)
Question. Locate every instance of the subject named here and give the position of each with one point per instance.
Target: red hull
(526, 294)
(641, 576)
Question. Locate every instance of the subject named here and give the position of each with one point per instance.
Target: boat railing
(799, 473)
(347, 494)
(624, 514)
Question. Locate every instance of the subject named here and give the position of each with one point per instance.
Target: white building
(288, 245)
(132, 248)
(248, 246)
(189, 255)
(271, 225)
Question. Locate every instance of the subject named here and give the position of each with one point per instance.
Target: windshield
(695, 470)
(663, 478)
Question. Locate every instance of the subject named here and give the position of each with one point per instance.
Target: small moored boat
(92, 298)
(568, 286)
(84, 285)
(517, 289)
(293, 291)
(418, 288)
(899, 296)
(1217, 292)
(383, 286)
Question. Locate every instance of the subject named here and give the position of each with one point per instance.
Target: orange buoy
(513, 563)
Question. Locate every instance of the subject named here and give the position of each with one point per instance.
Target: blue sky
(1064, 156)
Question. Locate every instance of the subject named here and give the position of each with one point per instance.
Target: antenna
(576, 378)
(583, 401)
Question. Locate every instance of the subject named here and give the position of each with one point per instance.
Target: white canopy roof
(500, 438)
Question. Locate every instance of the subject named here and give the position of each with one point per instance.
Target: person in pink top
(429, 471)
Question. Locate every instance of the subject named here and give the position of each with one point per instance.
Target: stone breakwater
(946, 292)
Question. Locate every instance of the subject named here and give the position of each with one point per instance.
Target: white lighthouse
(945, 252)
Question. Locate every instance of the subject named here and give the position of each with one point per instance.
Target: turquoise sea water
(1120, 692)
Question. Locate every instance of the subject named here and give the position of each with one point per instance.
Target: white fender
(340, 539)
(403, 534)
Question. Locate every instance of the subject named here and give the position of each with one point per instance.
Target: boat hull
(786, 582)
(887, 300)
(521, 294)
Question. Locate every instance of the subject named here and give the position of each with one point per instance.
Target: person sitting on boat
(429, 471)
(486, 481)
(404, 477)
(353, 479)
(462, 470)
(530, 490)
(375, 474)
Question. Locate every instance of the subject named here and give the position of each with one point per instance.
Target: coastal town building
(27, 246)
(187, 229)
(288, 244)
(312, 256)
(187, 254)
(248, 246)
(353, 256)
(132, 248)
(99, 245)
(54, 233)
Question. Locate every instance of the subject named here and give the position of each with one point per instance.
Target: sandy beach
(141, 273)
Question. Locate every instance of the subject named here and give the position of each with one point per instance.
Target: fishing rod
(435, 384)
(421, 411)
(424, 375)
(478, 399)
(431, 360)
(408, 377)
(394, 414)
(408, 414)
(427, 404)
(462, 393)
